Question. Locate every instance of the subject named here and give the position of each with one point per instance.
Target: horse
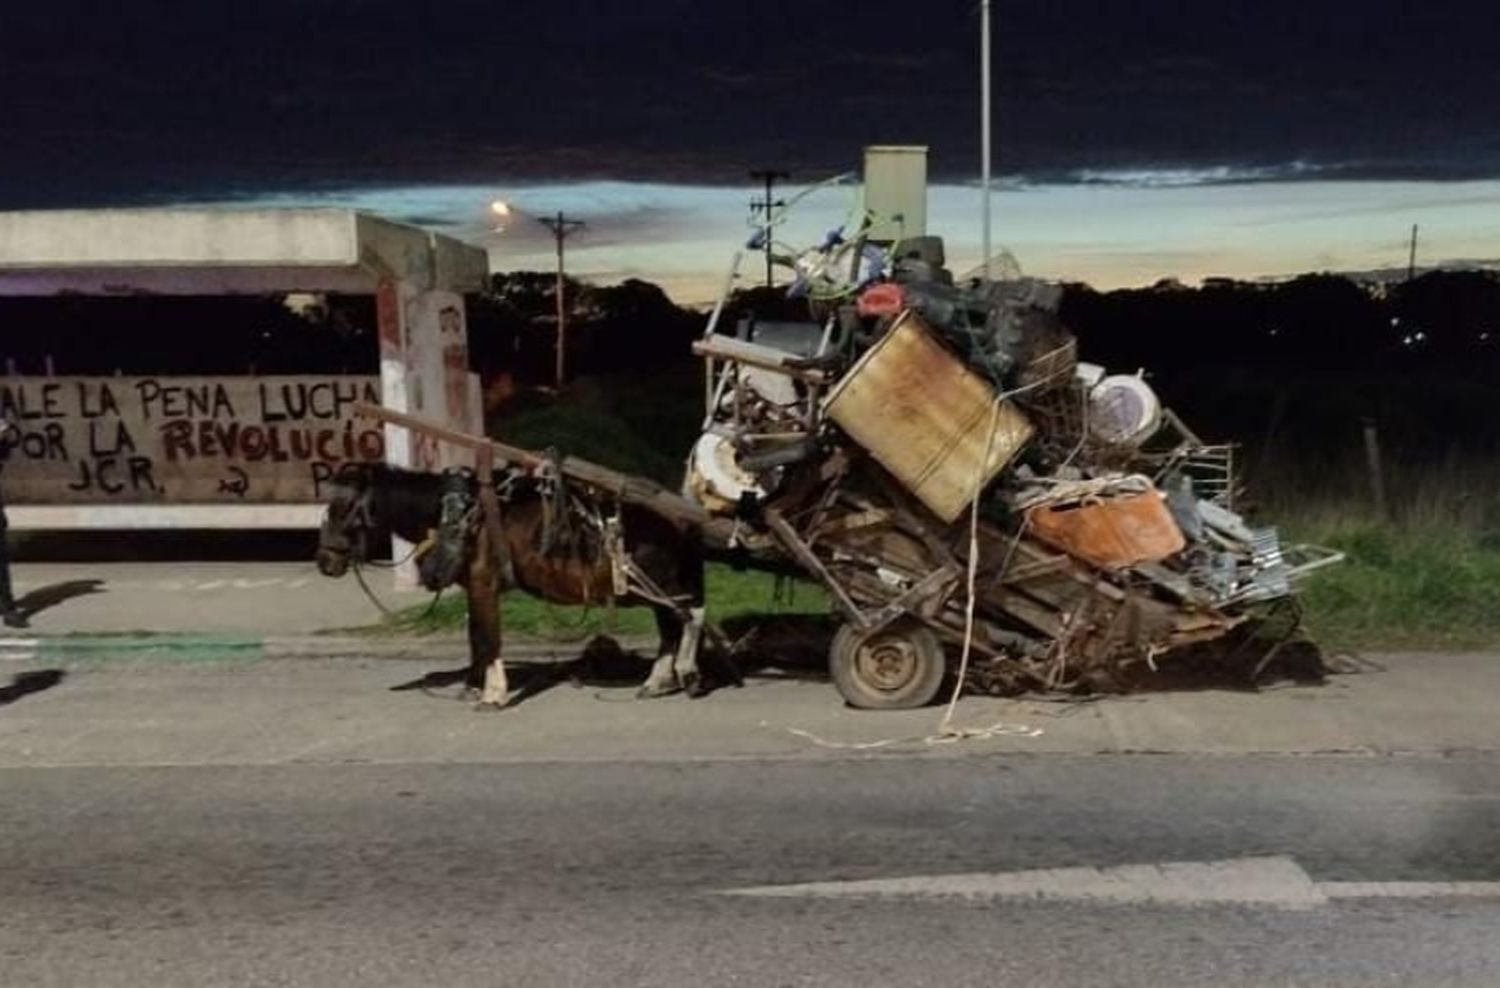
(555, 542)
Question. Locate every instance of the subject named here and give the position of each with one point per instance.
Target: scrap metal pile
(923, 432)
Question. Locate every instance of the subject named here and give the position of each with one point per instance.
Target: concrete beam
(225, 251)
(145, 238)
(59, 517)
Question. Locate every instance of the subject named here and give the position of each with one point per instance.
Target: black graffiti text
(106, 441)
(174, 401)
(116, 475)
(96, 400)
(26, 403)
(325, 400)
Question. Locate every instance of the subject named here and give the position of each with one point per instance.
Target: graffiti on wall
(183, 439)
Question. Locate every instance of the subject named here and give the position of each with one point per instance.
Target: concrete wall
(417, 277)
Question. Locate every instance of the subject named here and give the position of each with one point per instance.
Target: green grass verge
(731, 593)
(1437, 590)
(1430, 582)
(1425, 588)
(638, 425)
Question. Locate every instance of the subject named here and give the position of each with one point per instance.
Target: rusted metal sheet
(927, 418)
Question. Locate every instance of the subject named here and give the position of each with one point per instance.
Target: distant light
(500, 208)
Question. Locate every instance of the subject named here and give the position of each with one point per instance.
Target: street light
(500, 210)
(560, 226)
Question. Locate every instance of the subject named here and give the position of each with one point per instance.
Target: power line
(770, 176)
(561, 226)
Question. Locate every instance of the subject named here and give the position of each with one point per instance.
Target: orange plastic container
(1110, 531)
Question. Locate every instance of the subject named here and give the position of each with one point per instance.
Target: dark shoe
(14, 617)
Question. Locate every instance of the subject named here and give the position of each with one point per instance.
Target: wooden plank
(755, 355)
(1173, 582)
(909, 517)
(800, 551)
(933, 584)
(629, 489)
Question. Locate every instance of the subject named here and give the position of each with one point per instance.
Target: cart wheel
(899, 667)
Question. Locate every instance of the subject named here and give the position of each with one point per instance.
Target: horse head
(348, 522)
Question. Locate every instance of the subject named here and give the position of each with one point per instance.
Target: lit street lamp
(500, 210)
(561, 226)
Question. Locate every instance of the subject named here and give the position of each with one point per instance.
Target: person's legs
(12, 615)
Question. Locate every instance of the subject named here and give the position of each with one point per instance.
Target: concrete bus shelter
(229, 452)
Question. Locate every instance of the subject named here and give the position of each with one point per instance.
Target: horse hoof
(654, 692)
(695, 689)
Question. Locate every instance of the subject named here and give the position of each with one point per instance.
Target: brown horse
(556, 544)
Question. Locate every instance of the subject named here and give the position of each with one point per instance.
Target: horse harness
(441, 557)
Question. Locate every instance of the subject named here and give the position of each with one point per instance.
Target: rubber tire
(918, 691)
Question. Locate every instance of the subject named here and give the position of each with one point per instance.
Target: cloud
(682, 236)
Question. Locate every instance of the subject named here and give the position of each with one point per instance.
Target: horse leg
(486, 669)
(685, 663)
(663, 677)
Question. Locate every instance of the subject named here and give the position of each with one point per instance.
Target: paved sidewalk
(268, 711)
(197, 598)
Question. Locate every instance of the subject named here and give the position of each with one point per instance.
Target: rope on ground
(946, 732)
(1350, 663)
(948, 736)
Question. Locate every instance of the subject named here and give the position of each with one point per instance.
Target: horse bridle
(358, 518)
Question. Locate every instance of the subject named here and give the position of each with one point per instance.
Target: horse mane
(404, 501)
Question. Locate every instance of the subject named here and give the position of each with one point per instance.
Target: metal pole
(770, 181)
(1411, 260)
(562, 310)
(769, 176)
(984, 129)
(1376, 466)
(561, 226)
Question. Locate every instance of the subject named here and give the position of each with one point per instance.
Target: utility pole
(770, 176)
(561, 226)
(984, 130)
(1411, 259)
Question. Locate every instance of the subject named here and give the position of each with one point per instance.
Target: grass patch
(1431, 580)
(731, 593)
(636, 425)
(1404, 588)
(1436, 589)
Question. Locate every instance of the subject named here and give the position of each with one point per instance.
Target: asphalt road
(605, 873)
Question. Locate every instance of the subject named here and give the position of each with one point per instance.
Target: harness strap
(489, 509)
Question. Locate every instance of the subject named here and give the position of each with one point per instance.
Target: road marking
(18, 649)
(1410, 890)
(1275, 881)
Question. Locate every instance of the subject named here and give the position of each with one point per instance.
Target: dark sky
(140, 100)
